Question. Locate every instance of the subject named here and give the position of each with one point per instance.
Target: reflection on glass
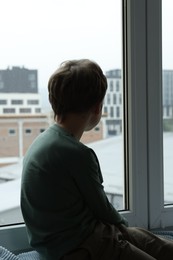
(167, 93)
(34, 42)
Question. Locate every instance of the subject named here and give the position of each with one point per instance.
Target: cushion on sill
(5, 254)
(164, 234)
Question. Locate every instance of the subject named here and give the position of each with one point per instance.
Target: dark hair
(76, 86)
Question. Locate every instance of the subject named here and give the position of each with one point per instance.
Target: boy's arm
(89, 180)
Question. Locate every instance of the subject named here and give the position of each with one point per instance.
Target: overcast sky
(167, 34)
(40, 34)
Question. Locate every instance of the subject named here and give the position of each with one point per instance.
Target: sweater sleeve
(89, 180)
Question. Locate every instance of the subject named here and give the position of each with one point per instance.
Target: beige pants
(109, 242)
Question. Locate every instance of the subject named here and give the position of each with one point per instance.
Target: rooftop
(110, 154)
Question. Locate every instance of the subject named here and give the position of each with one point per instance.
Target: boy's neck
(75, 124)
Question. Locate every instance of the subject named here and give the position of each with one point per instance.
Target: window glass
(16, 102)
(167, 98)
(34, 42)
(11, 131)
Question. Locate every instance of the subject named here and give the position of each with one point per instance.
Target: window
(22, 67)
(37, 110)
(111, 111)
(11, 131)
(108, 99)
(25, 110)
(114, 99)
(146, 114)
(118, 112)
(3, 102)
(111, 85)
(9, 110)
(120, 99)
(145, 117)
(32, 81)
(31, 77)
(1, 85)
(16, 102)
(32, 102)
(97, 129)
(117, 85)
(28, 131)
(42, 130)
(105, 110)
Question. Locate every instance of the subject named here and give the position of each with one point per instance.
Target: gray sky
(40, 34)
(167, 34)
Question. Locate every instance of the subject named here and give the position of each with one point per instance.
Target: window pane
(34, 42)
(167, 90)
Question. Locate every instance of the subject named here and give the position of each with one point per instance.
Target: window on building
(9, 110)
(117, 85)
(12, 131)
(105, 110)
(114, 99)
(3, 102)
(120, 99)
(42, 130)
(37, 110)
(32, 102)
(97, 129)
(31, 77)
(32, 81)
(111, 85)
(25, 110)
(17, 102)
(111, 111)
(28, 131)
(1, 85)
(108, 99)
(118, 112)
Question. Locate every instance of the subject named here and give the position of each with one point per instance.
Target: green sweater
(62, 196)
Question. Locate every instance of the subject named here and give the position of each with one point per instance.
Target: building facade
(19, 92)
(21, 118)
(17, 133)
(20, 103)
(113, 103)
(112, 107)
(18, 80)
(167, 91)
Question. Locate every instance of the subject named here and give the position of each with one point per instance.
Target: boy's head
(76, 86)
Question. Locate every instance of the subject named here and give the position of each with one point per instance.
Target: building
(19, 92)
(113, 104)
(19, 103)
(94, 134)
(167, 91)
(18, 80)
(17, 133)
(21, 118)
(112, 107)
(112, 170)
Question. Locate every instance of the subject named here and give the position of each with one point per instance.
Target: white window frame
(144, 112)
(135, 93)
(160, 215)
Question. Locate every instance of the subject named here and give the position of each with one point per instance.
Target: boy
(65, 208)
